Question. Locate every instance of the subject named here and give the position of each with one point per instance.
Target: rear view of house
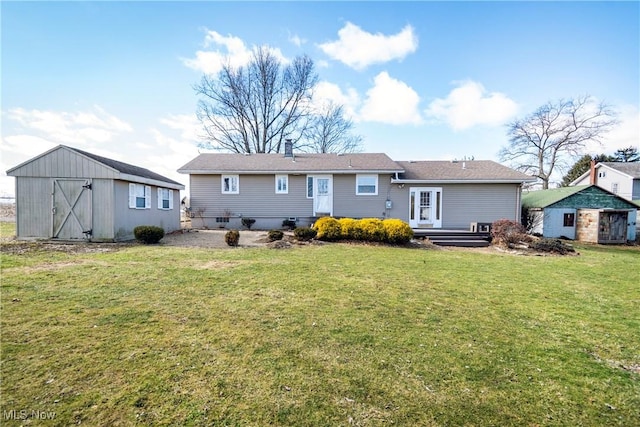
(69, 194)
(271, 188)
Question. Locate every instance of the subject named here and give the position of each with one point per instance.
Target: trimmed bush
(506, 232)
(328, 228)
(148, 234)
(350, 229)
(397, 231)
(232, 237)
(551, 245)
(287, 223)
(304, 234)
(274, 235)
(248, 222)
(372, 229)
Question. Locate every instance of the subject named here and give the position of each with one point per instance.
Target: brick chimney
(592, 173)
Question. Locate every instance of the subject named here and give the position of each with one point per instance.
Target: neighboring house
(69, 194)
(586, 213)
(301, 187)
(621, 178)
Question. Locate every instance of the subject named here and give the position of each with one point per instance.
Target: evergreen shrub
(148, 234)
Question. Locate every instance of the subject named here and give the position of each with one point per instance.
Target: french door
(425, 207)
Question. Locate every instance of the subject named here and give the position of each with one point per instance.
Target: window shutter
(147, 197)
(159, 198)
(170, 199)
(132, 196)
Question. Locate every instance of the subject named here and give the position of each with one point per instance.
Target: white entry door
(322, 195)
(425, 207)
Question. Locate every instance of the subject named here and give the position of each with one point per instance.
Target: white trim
(161, 199)
(368, 175)
(133, 196)
(285, 179)
(231, 178)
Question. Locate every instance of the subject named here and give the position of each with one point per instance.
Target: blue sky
(420, 80)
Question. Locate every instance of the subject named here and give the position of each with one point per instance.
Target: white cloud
(325, 92)
(470, 105)
(297, 40)
(625, 134)
(358, 49)
(25, 146)
(188, 124)
(96, 125)
(391, 101)
(225, 50)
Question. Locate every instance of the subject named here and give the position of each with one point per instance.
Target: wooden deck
(460, 238)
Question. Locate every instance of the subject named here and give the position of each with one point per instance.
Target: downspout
(519, 203)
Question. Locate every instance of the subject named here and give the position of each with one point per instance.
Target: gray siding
(636, 190)
(103, 200)
(126, 219)
(256, 199)
(33, 207)
(346, 203)
(463, 204)
(64, 163)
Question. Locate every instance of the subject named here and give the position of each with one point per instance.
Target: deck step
(460, 238)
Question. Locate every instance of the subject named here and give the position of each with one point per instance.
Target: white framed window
(366, 185)
(602, 174)
(165, 199)
(309, 187)
(614, 187)
(230, 184)
(282, 184)
(139, 196)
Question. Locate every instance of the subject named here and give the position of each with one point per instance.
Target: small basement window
(569, 219)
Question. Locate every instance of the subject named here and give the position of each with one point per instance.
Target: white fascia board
(148, 181)
(284, 172)
(462, 181)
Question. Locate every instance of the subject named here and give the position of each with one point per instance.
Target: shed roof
(598, 198)
(108, 168)
(463, 171)
(262, 163)
(126, 168)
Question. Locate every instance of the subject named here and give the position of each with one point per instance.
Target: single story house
(586, 213)
(621, 178)
(301, 187)
(69, 194)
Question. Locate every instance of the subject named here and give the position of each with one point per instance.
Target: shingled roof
(125, 167)
(630, 168)
(215, 163)
(462, 171)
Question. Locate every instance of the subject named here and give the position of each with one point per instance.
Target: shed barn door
(613, 227)
(71, 211)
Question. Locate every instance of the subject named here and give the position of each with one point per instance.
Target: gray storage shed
(70, 194)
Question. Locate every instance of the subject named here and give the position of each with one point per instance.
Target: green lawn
(331, 335)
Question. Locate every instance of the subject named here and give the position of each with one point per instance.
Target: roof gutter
(277, 172)
(149, 181)
(462, 181)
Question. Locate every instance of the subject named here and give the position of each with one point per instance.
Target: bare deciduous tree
(329, 131)
(253, 109)
(542, 141)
